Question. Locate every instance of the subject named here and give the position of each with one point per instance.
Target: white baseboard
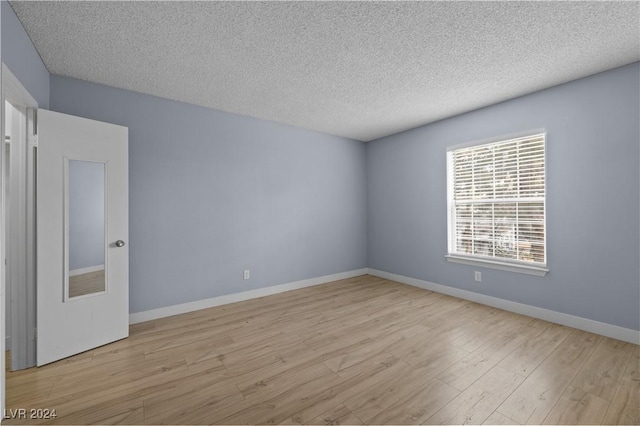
(86, 270)
(239, 297)
(604, 329)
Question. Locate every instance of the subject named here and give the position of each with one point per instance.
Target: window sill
(504, 266)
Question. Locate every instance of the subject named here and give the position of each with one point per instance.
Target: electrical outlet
(478, 275)
(247, 274)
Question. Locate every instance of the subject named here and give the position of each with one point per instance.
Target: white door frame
(22, 242)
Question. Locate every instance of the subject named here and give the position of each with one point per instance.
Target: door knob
(119, 243)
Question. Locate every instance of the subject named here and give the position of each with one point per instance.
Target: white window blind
(496, 199)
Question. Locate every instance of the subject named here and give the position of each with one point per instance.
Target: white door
(82, 235)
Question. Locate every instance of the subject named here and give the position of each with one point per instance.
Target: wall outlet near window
(477, 275)
(247, 274)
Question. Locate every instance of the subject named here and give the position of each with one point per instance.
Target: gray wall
(213, 193)
(592, 198)
(19, 54)
(86, 214)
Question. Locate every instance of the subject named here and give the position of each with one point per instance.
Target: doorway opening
(19, 277)
(17, 228)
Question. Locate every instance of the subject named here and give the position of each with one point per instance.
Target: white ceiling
(361, 70)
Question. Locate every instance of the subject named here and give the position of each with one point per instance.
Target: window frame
(519, 266)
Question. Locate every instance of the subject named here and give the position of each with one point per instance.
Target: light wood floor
(363, 350)
(89, 283)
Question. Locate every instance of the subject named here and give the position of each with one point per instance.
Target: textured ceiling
(356, 69)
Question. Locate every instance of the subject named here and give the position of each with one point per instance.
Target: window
(496, 199)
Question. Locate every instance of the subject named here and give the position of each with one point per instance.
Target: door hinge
(35, 141)
(35, 334)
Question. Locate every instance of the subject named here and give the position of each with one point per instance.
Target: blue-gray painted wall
(212, 194)
(592, 198)
(86, 214)
(22, 58)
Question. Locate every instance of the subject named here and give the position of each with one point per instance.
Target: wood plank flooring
(89, 283)
(358, 351)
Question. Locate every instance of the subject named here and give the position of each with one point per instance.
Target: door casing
(23, 312)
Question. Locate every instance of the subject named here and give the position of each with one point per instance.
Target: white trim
(604, 329)
(22, 238)
(239, 297)
(507, 137)
(3, 311)
(14, 91)
(86, 270)
(494, 264)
